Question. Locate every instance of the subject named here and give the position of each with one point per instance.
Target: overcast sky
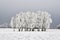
(9, 8)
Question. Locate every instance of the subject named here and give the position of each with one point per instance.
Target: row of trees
(30, 20)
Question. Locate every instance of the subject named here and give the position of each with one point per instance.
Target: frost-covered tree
(46, 20)
(29, 20)
(13, 23)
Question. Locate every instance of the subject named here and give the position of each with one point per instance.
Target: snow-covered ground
(9, 34)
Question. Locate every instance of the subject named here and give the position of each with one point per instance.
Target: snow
(9, 34)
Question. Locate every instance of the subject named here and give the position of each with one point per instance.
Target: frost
(30, 19)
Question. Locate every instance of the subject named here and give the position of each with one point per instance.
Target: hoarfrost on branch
(29, 19)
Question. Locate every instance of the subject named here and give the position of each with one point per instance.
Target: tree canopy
(31, 19)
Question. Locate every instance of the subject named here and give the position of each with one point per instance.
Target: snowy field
(9, 34)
